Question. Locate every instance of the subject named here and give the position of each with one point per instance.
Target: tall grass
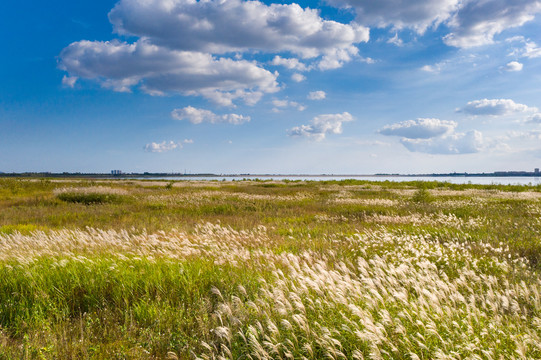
(269, 270)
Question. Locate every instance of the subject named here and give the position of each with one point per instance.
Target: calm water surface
(483, 180)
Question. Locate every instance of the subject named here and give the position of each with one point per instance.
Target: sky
(270, 87)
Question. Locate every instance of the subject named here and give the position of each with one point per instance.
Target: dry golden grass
(268, 270)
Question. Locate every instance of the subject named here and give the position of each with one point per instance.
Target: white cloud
(317, 95)
(434, 136)
(290, 63)
(456, 143)
(226, 98)
(69, 81)
(419, 129)
(121, 66)
(535, 118)
(431, 68)
(495, 107)
(298, 77)
(477, 22)
(395, 40)
(164, 146)
(198, 116)
(515, 38)
(415, 14)
(234, 119)
(187, 141)
(367, 60)
(322, 125)
(471, 22)
(217, 26)
(338, 57)
(194, 115)
(523, 135)
(282, 104)
(529, 48)
(513, 66)
(178, 41)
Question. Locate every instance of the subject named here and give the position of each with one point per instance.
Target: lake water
(483, 180)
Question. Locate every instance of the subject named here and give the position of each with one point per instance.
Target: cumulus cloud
(217, 26)
(419, 129)
(336, 58)
(456, 143)
(298, 77)
(226, 98)
(317, 95)
(164, 146)
(289, 63)
(121, 66)
(477, 22)
(434, 136)
(198, 116)
(513, 66)
(414, 14)
(186, 47)
(471, 23)
(495, 107)
(282, 104)
(322, 125)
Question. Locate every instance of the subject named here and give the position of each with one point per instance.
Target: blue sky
(232, 86)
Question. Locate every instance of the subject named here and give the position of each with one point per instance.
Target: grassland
(268, 270)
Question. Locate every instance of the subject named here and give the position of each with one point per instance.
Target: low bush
(92, 195)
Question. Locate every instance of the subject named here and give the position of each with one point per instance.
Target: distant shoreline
(211, 175)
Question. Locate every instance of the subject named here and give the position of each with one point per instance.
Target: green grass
(90, 199)
(157, 300)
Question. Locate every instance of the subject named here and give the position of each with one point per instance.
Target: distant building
(116, 172)
(536, 171)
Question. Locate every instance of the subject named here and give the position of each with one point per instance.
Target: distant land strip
(122, 175)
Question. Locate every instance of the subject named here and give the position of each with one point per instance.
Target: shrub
(422, 195)
(92, 195)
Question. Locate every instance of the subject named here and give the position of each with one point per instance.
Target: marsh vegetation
(268, 270)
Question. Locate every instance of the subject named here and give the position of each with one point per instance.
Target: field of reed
(268, 270)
